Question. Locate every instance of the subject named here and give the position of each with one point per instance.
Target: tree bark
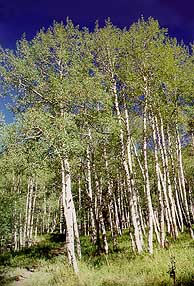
(68, 213)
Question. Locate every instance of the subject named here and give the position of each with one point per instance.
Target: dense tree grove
(103, 140)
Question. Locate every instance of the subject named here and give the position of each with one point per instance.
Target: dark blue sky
(19, 16)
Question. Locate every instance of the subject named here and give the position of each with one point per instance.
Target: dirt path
(28, 276)
(22, 279)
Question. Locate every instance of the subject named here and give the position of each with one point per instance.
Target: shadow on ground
(52, 246)
(30, 257)
(184, 281)
(4, 280)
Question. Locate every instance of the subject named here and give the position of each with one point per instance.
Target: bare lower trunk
(179, 214)
(33, 211)
(160, 195)
(76, 233)
(137, 235)
(28, 212)
(68, 213)
(146, 173)
(163, 180)
(90, 192)
(174, 228)
(182, 180)
(192, 138)
(134, 190)
(103, 229)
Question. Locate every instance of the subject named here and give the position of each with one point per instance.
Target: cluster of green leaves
(61, 86)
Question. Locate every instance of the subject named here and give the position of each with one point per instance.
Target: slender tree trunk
(156, 228)
(110, 200)
(160, 195)
(103, 229)
(33, 211)
(182, 179)
(76, 232)
(137, 235)
(169, 186)
(132, 177)
(146, 175)
(68, 213)
(90, 192)
(192, 139)
(31, 191)
(27, 216)
(190, 203)
(163, 180)
(62, 217)
(177, 199)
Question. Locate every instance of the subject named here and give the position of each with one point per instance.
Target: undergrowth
(119, 268)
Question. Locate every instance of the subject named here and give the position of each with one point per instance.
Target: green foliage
(63, 85)
(119, 269)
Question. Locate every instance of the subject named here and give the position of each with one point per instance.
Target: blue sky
(19, 16)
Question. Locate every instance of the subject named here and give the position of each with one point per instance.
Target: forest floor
(45, 265)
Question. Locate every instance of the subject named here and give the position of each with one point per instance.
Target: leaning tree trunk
(169, 186)
(182, 181)
(179, 213)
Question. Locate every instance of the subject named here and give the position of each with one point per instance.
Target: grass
(118, 269)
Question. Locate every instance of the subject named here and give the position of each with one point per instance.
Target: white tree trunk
(182, 179)
(169, 187)
(146, 175)
(160, 195)
(68, 213)
(137, 234)
(90, 192)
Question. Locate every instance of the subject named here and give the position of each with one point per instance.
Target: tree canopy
(103, 139)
